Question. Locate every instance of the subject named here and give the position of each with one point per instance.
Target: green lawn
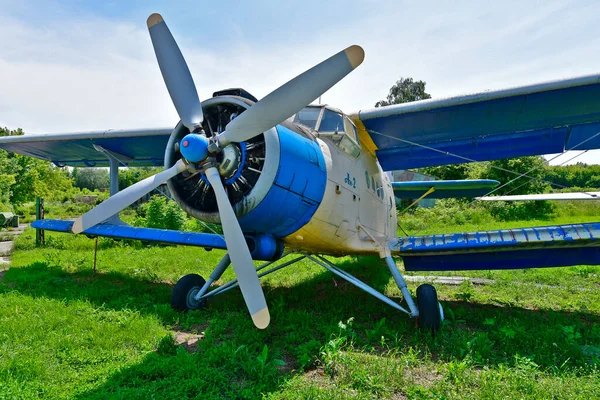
(65, 333)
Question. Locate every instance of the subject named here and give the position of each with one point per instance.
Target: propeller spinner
(196, 148)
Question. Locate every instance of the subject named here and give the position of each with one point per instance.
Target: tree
(23, 178)
(405, 90)
(129, 176)
(91, 178)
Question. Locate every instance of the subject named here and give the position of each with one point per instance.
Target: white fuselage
(357, 214)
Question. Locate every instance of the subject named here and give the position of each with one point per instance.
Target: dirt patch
(290, 364)
(422, 376)
(189, 338)
(318, 377)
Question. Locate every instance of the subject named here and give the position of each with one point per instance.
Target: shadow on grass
(232, 361)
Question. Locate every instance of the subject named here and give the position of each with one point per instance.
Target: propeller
(176, 73)
(125, 198)
(292, 97)
(195, 148)
(239, 254)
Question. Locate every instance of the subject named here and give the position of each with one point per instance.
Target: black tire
(182, 297)
(429, 311)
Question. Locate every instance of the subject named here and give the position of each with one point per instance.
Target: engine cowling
(274, 181)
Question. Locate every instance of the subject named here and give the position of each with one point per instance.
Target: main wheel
(182, 297)
(430, 316)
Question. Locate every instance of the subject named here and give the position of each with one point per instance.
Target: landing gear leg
(187, 293)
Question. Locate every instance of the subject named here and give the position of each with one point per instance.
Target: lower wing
(549, 246)
(206, 240)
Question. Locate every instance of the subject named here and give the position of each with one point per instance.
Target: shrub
(160, 213)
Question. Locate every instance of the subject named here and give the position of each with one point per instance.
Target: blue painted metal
(515, 259)
(299, 185)
(146, 147)
(265, 247)
(516, 144)
(444, 189)
(194, 147)
(547, 246)
(129, 232)
(539, 119)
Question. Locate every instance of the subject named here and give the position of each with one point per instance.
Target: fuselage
(357, 214)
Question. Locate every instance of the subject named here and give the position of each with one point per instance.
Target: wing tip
(154, 19)
(355, 54)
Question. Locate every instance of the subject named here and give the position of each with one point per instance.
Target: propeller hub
(194, 147)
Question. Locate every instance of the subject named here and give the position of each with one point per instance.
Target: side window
(350, 129)
(331, 122)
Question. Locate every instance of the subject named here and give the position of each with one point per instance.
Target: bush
(447, 211)
(160, 213)
(520, 210)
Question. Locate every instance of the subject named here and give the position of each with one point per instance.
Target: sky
(85, 65)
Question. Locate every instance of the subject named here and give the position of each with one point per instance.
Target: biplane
(289, 179)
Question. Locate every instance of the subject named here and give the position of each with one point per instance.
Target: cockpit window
(331, 122)
(308, 116)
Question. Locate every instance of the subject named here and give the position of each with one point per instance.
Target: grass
(66, 333)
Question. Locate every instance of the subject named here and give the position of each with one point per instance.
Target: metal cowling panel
(297, 191)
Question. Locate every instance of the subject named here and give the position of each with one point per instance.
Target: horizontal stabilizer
(549, 246)
(207, 240)
(549, 196)
(444, 189)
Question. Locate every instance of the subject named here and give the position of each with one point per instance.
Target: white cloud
(92, 72)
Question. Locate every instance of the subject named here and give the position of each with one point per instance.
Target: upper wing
(537, 119)
(549, 196)
(444, 189)
(139, 147)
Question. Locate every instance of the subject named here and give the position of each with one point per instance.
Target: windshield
(331, 122)
(308, 116)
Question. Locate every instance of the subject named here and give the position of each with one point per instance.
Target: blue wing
(139, 147)
(207, 240)
(444, 189)
(550, 246)
(544, 118)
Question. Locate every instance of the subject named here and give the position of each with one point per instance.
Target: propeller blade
(293, 96)
(176, 73)
(124, 198)
(240, 254)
